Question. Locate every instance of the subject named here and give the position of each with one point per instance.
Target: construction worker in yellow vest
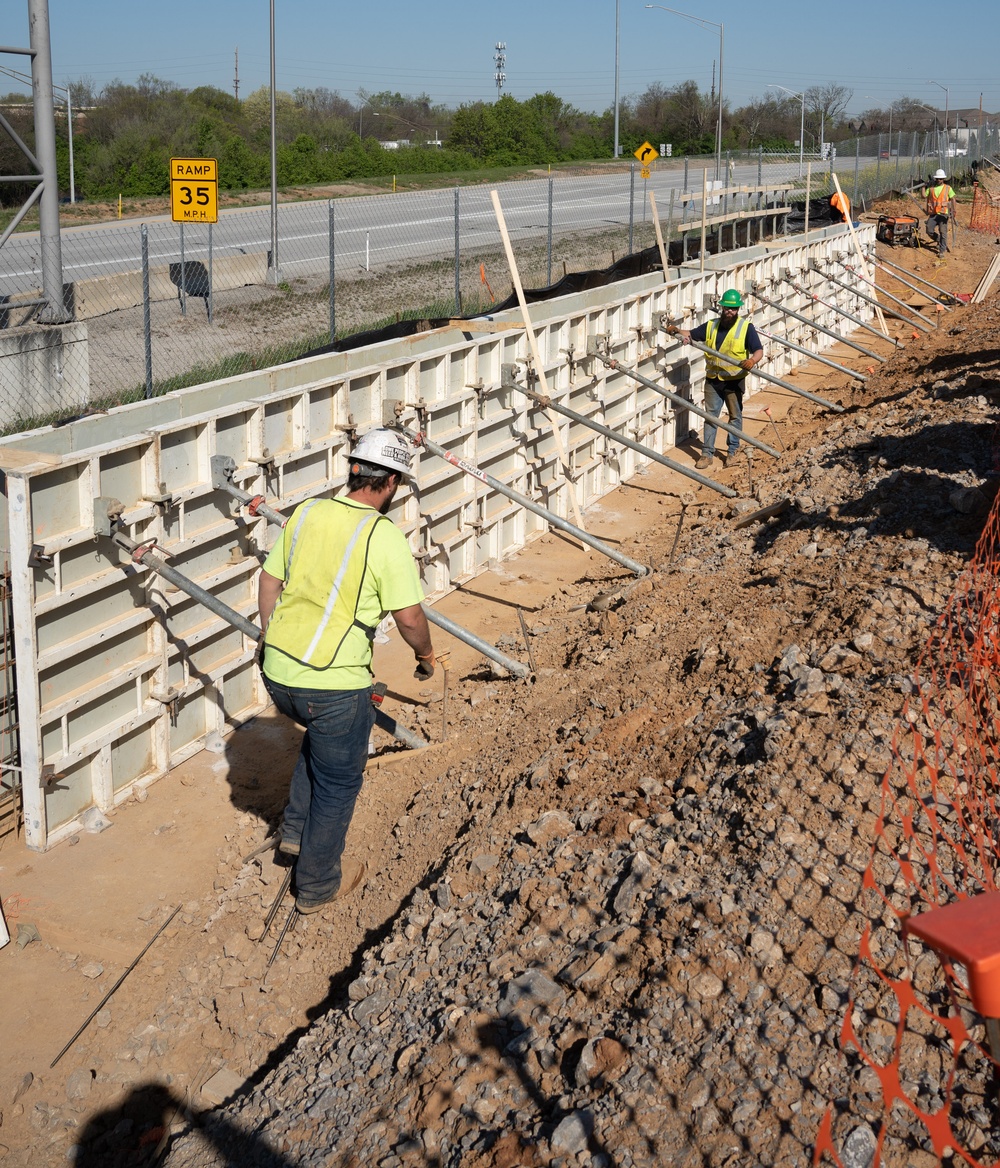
(739, 349)
(940, 208)
(338, 569)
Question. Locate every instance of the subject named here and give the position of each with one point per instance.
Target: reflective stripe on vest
(734, 346)
(316, 611)
(939, 199)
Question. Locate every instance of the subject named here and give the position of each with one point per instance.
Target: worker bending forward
(940, 208)
(338, 569)
(739, 349)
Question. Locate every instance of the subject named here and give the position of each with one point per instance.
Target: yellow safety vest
(326, 556)
(734, 346)
(938, 199)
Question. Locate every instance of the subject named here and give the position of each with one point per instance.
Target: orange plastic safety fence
(985, 211)
(923, 1085)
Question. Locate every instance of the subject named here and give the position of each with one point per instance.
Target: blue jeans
(715, 398)
(326, 780)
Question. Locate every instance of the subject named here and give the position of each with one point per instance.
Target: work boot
(704, 462)
(352, 872)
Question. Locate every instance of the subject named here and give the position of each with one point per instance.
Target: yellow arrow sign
(646, 153)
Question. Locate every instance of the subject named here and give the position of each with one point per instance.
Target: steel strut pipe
(920, 322)
(544, 402)
(808, 353)
(944, 292)
(813, 397)
(818, 327)
(556, 521)
(855, 320)
(913, 287)
(618, 367)
(223, 482)
(143, 554)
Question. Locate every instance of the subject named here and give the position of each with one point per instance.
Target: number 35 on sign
(194, 190)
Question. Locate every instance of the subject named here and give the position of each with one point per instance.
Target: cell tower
(500, 60)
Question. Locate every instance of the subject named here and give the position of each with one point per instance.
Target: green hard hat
(731, 299)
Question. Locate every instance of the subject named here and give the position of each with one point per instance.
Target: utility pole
(500, 60)
(236, 76)
(54, 311)
(618, 10)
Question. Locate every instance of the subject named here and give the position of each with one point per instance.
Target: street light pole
(946, 96)
(273, 276)
(618, 12)
(721, 27)
(802, 120)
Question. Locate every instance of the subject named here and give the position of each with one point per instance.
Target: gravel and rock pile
(635, 942)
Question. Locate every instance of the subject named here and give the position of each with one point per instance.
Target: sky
(445, 47)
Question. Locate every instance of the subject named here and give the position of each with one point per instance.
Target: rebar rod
(529, 504)
(808, 353)
(100, 1005)
(813, 397)
(222, 481)
(548, 403)
(618, 367)
(921, 322)
(855, 320)
(818, 327)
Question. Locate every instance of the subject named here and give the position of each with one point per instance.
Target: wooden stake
(659, 235)
(861, 256)
(704, 213)
(536, 355)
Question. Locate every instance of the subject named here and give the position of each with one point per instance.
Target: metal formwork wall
(120, 677)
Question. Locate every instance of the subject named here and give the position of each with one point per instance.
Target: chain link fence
(158, 306)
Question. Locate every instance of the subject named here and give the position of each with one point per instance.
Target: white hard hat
(382, 451)
(939, 173)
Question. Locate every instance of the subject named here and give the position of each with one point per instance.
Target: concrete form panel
(121, 676)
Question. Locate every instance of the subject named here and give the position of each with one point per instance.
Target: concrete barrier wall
(120, 677)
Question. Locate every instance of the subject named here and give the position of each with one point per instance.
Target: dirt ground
(97, 901)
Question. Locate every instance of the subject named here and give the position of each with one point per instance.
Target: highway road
(376, 230)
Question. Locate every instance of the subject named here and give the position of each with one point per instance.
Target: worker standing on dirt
(739, 348)
(840, 207)
(338, 569)
(940, 207)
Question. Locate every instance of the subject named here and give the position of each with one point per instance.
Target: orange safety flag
(483, 280)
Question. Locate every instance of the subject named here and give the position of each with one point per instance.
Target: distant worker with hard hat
(338, 569)
(739, 350)
(940, 208)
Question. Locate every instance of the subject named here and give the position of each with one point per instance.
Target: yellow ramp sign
(194, 190)
(646, 153)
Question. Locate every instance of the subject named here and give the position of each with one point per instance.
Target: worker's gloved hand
(425, 667)
(747, 364)
(672, 330)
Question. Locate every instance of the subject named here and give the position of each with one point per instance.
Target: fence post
(631, 205)
(913, 154)
(549, 281)
(458, 257)
(183, 281)
(878, 168)
(685, 176)
(857, 163)
(899, 147)
(333, 273)
(147, 327)
(760, 176)
(211, 296)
